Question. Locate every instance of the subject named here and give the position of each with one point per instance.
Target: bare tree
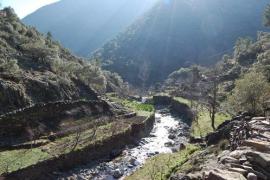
(77, 139)
(212, 98)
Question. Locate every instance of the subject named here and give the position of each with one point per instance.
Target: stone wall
(177, 107)
(182, 110)
(14, 124)
(162, 100)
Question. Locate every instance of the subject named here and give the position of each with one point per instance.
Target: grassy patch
(202, 126)
(140, 108)
(17, 159)
(162, 166)
(14, 160)
(183, 100)
(85, 138)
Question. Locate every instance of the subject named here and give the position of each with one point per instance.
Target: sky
(25, 7)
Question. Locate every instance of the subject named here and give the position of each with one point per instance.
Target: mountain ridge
(179, 33)
(85, 25)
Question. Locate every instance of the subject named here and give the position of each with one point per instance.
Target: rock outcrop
(248, 157)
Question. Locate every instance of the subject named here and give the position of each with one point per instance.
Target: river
(168, 134)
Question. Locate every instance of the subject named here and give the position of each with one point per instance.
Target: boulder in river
(133, 161)
(172, 136)
(169, 144)
(117, 173)
(115, 153)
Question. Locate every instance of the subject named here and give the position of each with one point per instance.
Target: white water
(146, 148)
(155, 144)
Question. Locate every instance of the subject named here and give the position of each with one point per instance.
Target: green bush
(250, 92)
(9, 66)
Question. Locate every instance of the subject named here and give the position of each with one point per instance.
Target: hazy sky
(25, 7)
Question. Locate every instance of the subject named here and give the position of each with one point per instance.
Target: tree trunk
(213, 118)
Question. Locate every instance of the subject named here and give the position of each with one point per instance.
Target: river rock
(130, 166)
(115, 153)
(133, 161)
(117, 173)
(171, 136)
(169, 144)
(174, 149)
(152, 135)
(182, 146)
(151, 154)
(180, 134)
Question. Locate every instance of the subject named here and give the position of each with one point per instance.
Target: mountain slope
(36, 69)
(179, 33)
(85, 25)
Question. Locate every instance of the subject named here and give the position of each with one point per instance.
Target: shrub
(9, 66)
(250, 92)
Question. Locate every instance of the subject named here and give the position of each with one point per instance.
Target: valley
(172, 90)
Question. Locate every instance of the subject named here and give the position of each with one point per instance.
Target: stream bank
(169, 134)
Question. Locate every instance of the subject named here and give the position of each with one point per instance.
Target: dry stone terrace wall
(139, 127)
(14, 124)
(34, 87)
(177, 107)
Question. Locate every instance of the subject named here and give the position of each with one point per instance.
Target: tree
(49, 35)
(250, 92)
(266, 18)
(241, 46)
(49, 38)
(212, 95)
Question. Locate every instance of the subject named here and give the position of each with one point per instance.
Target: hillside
(36, 69)
(83, 25)
(180, 33)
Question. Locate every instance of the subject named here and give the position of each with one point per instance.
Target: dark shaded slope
(84, 25)
(180, 33)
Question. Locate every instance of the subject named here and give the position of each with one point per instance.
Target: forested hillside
(85, 25)
(180, 33)
(34, 68)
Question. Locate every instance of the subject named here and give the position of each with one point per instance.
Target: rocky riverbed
(168, 135)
